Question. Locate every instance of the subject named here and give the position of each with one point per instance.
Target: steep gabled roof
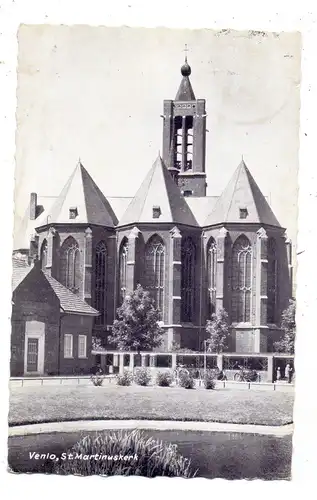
(69, 302)
(185, 91)
(242, 192)
(158, 190)
(81, 193)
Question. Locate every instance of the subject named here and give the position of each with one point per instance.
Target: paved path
(99, 425)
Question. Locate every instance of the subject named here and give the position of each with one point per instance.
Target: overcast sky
(97, 93)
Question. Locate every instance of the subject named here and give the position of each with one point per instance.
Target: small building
(51, 326)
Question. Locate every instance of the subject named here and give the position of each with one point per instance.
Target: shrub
(209, 379)
(142, 376)
(164, 379)
(97, 380)
(186, 380)
(125, 379)
(150, 457)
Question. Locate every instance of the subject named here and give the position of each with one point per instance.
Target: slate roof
(242, 192)
(82, 193)
(69, 302)
(18, 275)
(185, 91)
(158, 190)
(201, 206)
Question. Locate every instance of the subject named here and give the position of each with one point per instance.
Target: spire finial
(186, 69)
(185, 50)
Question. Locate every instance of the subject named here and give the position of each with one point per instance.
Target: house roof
(158, 190)
(81, 193)
(69, 302)
(242, 192)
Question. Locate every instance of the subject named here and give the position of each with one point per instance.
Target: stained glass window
(188, 280)
(241, 281)
(271, 281)
(155, 270)
(211, 272)
(70, 264)
(123, 260)
(100, 283)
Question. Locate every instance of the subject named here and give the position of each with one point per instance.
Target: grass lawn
(58, 403)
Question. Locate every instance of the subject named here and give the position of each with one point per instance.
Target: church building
(194, 253)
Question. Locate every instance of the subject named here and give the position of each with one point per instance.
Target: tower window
(188, 192)
(156, 212)
(73, 212)
(243, 213)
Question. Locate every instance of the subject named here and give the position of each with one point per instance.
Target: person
(290, 374)
(287, 371)
(278, 374)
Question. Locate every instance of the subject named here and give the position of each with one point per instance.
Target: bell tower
(184, 137)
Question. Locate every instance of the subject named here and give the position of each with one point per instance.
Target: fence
(265, 365)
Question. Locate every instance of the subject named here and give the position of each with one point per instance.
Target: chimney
(33, 206)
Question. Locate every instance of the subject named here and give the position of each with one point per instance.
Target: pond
(214, 454)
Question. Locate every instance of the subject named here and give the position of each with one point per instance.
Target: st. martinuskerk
(77, 255)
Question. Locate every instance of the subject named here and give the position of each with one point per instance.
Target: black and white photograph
(154, 252)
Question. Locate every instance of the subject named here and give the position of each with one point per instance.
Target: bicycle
(247, 376)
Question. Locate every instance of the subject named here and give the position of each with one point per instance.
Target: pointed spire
(242, 201)
(81, 196)
(158, 199)
(185, 91)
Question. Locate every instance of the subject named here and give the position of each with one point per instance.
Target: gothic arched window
(123, 260)
(241, 280)
(211, 273)
(43, 255)
(154, 270)
(100, 283)
(70, 273)
(188, 280)
(271, 281)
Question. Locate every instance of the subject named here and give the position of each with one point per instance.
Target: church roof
(185, 91)
(242, 193)
(158, 191)
(82, 195)
(201, 206)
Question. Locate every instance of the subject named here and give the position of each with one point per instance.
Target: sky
(96, 93)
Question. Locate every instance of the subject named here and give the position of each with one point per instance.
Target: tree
(287, 343)
(138, 325)
(218, 331)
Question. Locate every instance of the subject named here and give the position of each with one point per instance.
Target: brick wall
(76, 325)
